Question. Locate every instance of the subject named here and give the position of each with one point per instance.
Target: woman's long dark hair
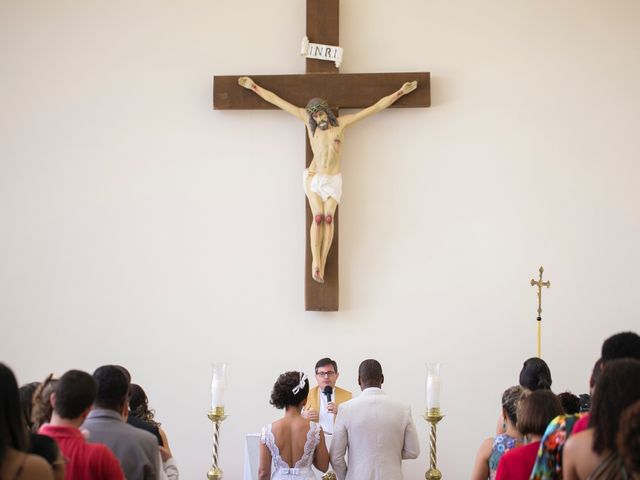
(27, 392)
(139, 405)
(12, 429)
(617, 388)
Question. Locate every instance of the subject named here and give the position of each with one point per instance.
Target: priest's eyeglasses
(326, 374)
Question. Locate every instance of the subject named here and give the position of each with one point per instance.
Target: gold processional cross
(539, 283)
(322, 79)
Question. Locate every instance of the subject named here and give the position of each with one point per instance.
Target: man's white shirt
(325, 418)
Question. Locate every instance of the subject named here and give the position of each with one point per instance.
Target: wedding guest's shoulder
(37, 467)
(579, 442)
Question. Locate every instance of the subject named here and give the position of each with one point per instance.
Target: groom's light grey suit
(378, 432)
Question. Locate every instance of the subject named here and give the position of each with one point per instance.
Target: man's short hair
(570, 402)
(621, 345)
(370, 370)
(113, 387)
(323, 362)
(75, 392)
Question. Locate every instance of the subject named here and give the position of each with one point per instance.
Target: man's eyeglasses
(326, 374)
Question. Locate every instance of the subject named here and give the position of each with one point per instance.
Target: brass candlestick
(433, 416)
(216, 416)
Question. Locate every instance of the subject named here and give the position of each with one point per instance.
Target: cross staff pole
(539, 283)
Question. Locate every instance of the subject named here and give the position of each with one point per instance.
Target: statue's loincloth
(324, 185)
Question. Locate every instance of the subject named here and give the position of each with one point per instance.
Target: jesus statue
(323, 180)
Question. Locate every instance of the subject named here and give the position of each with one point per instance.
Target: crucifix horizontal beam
(341, 90)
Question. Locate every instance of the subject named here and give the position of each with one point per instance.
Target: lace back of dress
(313, 438)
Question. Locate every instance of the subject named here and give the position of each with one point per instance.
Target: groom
(378, 431)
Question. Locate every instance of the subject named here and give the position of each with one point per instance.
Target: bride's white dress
(302, 469)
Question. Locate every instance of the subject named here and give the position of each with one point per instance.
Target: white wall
(138, 226)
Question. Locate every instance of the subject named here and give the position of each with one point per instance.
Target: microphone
(328, 390)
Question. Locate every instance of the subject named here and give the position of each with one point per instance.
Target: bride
(293, 443)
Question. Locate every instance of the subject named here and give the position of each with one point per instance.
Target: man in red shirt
(71, 403)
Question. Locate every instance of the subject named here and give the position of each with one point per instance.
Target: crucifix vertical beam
(323, 20)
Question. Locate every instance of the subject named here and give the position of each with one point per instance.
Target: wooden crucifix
(339, 91)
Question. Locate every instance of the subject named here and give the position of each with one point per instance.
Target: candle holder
(433, 416)
(217, 416)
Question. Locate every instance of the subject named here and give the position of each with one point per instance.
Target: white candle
(433, 385)
(218, 384)
(433, 392)
(217, 392)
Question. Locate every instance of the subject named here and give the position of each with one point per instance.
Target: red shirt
(86, 461)
(518, 462)
(581, 424)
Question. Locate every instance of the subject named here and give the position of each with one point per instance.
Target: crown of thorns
(317, 105)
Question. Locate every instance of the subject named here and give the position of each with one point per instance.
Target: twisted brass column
(433, 416)
(216, 416)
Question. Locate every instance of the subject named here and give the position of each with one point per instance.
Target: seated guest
(593, 453)
(72, 402)
(136, 449)
(548, 464)
(628, 440)
(26, 401)
(138, 402)
(41, 411)
(15, 463)
(535, 412)
(48, 449)
(169, 467)
(570, 402)
(535, 375)
(585, 402)
(35, 409)
(492, 449)
(140, 416)
(620, 345)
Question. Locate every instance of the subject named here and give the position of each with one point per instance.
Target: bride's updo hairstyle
(283, 394)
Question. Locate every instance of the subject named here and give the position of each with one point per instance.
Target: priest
(323, 400)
